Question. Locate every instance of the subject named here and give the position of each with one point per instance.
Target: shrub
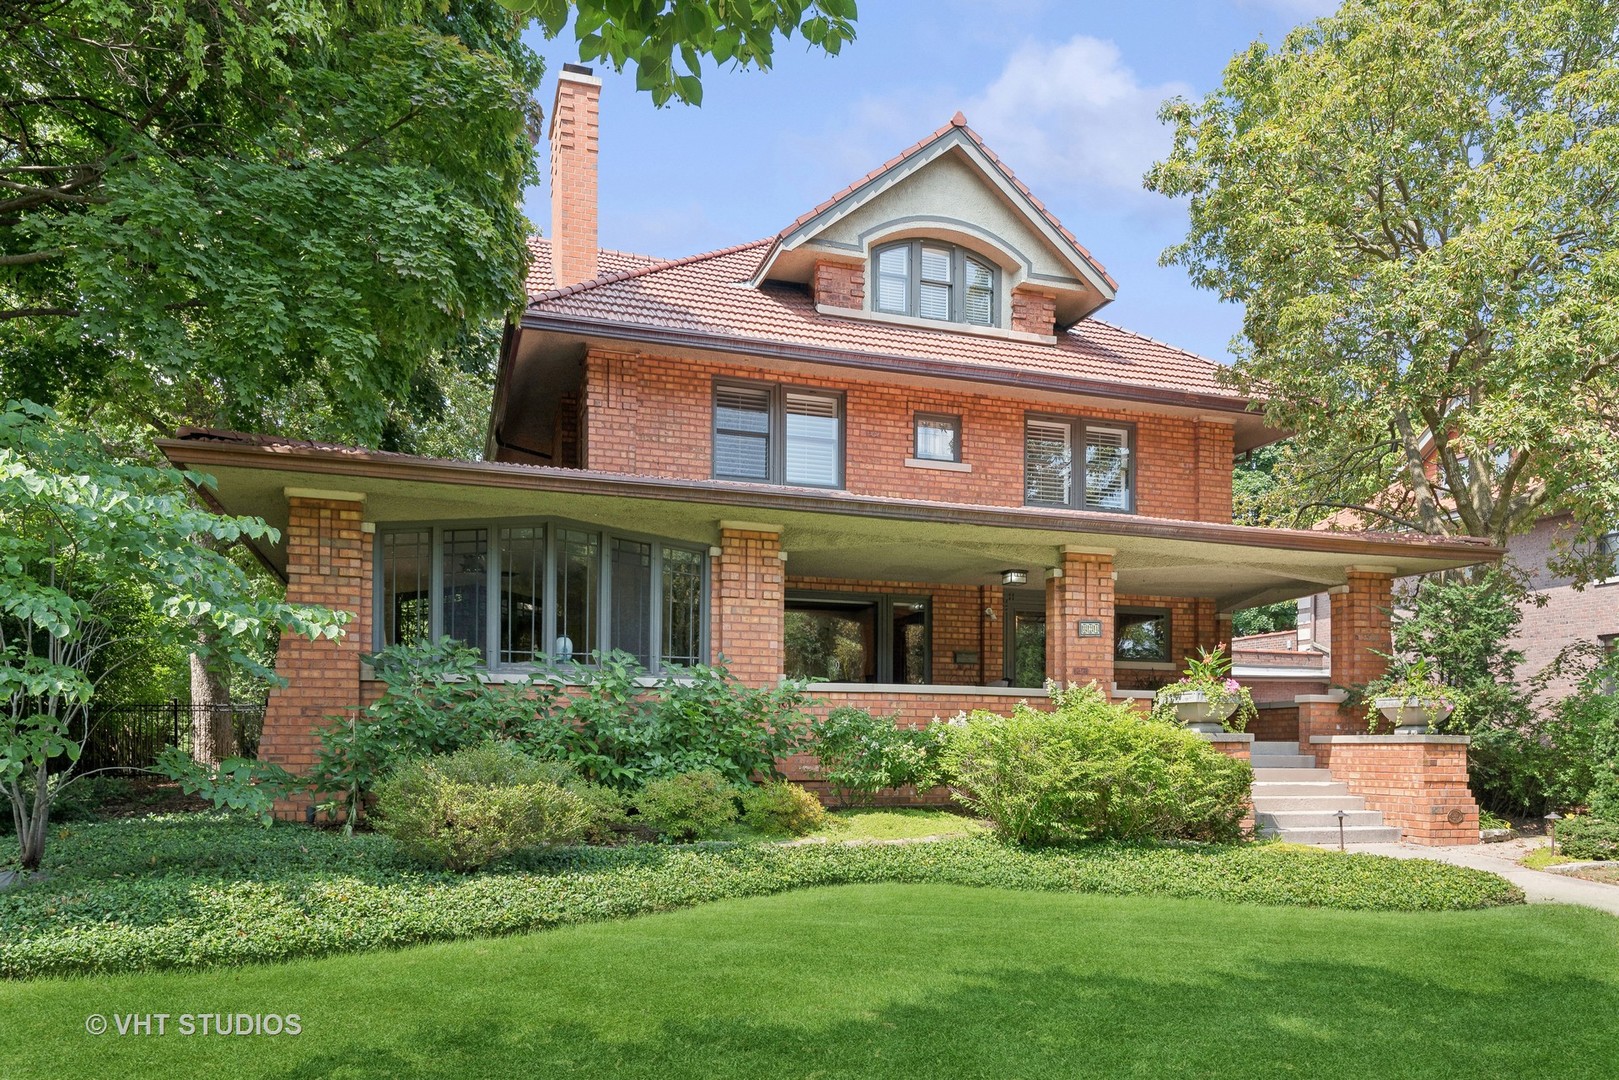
(696, 805)
(861, 754)
(781, 809)
(1092, 770)
(607, 810)
(433, 702)
(127, 895)
(622, 732)
(1587, 836)
(465, 810)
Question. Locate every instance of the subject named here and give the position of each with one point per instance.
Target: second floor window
(934, 281)
(778, 434)
(1078, 465)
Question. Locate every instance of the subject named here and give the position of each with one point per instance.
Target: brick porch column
(1080, 588)
(747, 624)
(1361, 627)
(329, 548)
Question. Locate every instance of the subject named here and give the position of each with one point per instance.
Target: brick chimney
(575, 139)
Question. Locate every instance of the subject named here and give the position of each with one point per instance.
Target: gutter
(187, 453)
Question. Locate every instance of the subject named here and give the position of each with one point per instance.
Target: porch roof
(829, 534)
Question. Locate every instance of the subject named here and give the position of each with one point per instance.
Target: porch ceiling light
(1014, 577)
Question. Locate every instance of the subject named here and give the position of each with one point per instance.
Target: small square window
(1141, 634)
(938, 437)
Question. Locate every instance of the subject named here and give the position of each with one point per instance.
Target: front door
(1026, 640)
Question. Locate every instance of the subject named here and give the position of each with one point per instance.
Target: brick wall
(653, 415)
(747, 580)
(328, 563)
(1034, 311)
(838, 284)
(1275, 724)
(1418, 782)
(1568, 615)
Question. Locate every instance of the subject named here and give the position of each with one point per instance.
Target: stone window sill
(942, 466)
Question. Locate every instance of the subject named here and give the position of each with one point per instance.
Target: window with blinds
(1048, 463)
(782, 435)
(934, 281)
(1102, 479)
(742, 432)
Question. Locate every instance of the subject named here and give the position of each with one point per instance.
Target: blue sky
(1066, 93)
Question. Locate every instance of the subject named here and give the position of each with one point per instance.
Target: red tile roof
(710, 294)
(956, 121)
(540, 277)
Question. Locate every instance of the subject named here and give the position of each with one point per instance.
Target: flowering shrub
(1209, 675)
(861, 754)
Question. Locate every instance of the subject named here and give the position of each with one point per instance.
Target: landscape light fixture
(1014, 577)
(1551, 828)
(1341, 815)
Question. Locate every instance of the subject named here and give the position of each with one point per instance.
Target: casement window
(938, 437)
(531, 592)
(778, 434)
(930, 280)
(851, 638)
(1141, 635)
(1100, 477)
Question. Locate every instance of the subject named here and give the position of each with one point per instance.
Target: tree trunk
(31, 826)
(213, 737)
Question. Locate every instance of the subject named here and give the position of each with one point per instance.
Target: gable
(948, 187)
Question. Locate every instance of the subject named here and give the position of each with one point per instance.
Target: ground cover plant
(204, 889)
(898, 981)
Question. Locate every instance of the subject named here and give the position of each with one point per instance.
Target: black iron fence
(132, 736)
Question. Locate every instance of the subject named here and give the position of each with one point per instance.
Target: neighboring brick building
(891, 447)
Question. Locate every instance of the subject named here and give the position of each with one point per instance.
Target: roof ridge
(546, 240)
(1144, 337)
(641, 271)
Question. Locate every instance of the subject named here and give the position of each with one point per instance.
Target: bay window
(527, 593)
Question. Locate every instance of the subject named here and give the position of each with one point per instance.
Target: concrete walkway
(1537, 885)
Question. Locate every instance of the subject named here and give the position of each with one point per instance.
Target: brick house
(891, 447)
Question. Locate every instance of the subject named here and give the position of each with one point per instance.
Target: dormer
(943, 237)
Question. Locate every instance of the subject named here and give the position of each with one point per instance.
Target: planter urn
(1198, 713)
(1412, 715)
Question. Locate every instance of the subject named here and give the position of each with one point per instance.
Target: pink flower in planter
(1232, 685)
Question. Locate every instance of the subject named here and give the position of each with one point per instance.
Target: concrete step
(1284, 803)
(1268, 789)
(1282, 761)
(1273, 775)
(1353, 834)
(1287, 820)
(1273, 746)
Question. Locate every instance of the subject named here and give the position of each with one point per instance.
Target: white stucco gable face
(949, 189)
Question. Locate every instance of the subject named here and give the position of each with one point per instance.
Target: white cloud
(1074, 115)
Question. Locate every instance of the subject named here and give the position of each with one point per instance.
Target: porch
(903, 607)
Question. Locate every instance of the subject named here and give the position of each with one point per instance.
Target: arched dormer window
(931, 280)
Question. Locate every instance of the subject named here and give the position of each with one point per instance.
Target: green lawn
(896, 824)
(895, 981)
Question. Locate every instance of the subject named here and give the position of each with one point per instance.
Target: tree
(78, 530)
(1416, 203)
(649, 35)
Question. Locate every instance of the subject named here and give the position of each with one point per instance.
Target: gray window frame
(1077, 426)
(913, 283)
(884, 603)
(776, 436)
(493, 569)
(1168, 616)
(953, 419)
